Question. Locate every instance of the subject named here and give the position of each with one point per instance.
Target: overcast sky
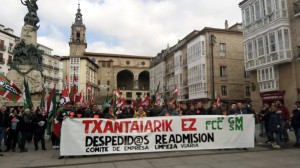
(137, 27)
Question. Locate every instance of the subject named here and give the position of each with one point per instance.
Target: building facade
(52, 70)
(198, 77)
(7, 42)
(85, 71)
(108, 72)
(271, 45)
(129, 73)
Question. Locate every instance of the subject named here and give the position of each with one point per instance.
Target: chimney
(226, 24)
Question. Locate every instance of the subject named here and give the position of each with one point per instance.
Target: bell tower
(78, 37)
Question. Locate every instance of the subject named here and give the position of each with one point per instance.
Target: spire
(78, 18)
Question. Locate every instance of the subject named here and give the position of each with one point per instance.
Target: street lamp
(212, 44)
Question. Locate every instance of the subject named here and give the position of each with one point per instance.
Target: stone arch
(125, 80)
(144, 80)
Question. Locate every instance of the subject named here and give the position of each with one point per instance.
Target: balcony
(267, 86)
(297, 9)
(2, 48)
(283, 56)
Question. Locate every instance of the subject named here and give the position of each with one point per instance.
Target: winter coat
(25, 123)
(275, 120)
(4, 119)
(295, 120)
(39, 123)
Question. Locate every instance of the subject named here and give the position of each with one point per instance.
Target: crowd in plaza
(19, 126)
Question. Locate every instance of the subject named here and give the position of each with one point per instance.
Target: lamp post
(212, 44)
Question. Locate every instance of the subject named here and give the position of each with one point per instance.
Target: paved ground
(262, 156)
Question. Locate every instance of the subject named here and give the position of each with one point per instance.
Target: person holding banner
(78, 110)
(200, 110)
(64, 113)
(169, 111)
(110, 115)
(140, 113)
(95, 113)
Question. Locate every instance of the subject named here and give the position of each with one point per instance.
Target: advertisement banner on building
(155, 134)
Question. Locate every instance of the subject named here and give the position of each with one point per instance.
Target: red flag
(8, 89)
(79, 97)
(146, 102)
(92, 100)
(88, 87)
(175, 93)
(57, 126)
(74, 90)
(218, 101)
(132, 103)
(67, 84)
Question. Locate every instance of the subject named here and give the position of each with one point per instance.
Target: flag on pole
(79, 97)
(64, 96)
(175, 93)
(92, 99)
(27, 96)
(74, 89)
(8, 89)
(145, 102)
(132, 103)
(157, 88)
(51, 103)
(67, 84)
(219, 101)
(89, 90)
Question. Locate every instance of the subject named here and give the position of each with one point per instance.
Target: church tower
(78, 31)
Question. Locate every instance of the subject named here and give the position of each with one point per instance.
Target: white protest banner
(154, 134)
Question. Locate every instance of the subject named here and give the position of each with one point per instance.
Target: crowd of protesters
(275, 122)
(18, 125)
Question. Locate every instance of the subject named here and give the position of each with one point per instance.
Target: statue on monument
(31, 17)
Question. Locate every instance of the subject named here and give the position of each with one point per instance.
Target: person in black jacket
(25, 128)
(39, 124)
(13, 132)
(295, 122)
(4, 124)
(275, 122)
(200, 110)
(191, 111)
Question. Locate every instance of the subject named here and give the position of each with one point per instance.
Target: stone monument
(27, 60)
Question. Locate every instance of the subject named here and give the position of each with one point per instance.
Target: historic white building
(270, 29)
(7, 42)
